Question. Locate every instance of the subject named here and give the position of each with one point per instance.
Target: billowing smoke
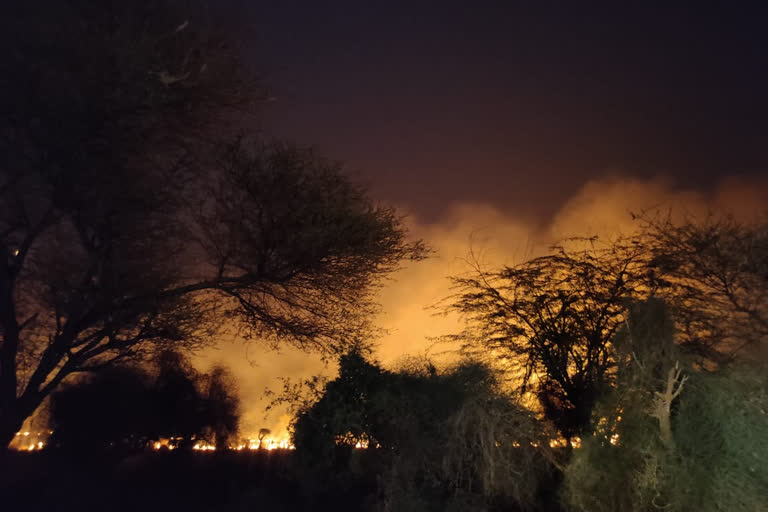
(493, 237)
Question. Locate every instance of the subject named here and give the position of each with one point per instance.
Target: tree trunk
(662, 405)
(665, 429)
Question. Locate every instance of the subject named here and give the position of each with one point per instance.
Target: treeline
(603, 376)
(125, 408)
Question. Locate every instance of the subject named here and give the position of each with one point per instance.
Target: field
(160, 481)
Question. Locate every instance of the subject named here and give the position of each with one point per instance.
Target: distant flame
(29, 441)
(203, 446)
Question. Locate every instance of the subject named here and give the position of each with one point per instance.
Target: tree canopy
(434, 439)
(553, 319)
(670, 436)
(127, 223)
(712, 273)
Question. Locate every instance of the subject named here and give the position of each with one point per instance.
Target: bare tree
(263, 432)
(713, 273)
(552, 319)
(122, 229)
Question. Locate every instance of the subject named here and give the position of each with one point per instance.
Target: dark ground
(186, 481)
(170, 481)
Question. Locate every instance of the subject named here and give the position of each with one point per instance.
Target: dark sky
(516, 104)
(512, 105)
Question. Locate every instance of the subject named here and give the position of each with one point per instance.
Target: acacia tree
(552, 320)
(122, 228)
(669, 436)
(714, 276)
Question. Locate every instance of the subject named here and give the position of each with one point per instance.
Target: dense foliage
(436, 440)
(700, 448)
(127, 407)
(553, 319)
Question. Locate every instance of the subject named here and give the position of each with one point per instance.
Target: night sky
(516, 104)
(504, 126)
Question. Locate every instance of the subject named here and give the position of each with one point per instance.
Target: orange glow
(283, 444)
(168, 443)
(203, 446)
(27, 441)
(350, 439)
(559, 442)
(500, 237)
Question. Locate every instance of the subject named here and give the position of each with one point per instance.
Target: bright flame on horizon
(249, 444)
(203, 446)
(26, 441)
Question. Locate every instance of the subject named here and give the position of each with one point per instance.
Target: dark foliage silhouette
(127, 407)
(126, 225)
(712, 274)
(433, 439)
(553, 319)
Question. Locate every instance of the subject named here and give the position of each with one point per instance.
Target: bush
(435, 440)
(126, 406)
(712, 460)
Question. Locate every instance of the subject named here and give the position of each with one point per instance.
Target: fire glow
(247, 445)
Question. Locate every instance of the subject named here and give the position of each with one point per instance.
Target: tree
(552, 319)
(110, 408)
(221, 405)
(433, 439)
(125, 228)
(176, 403)
(669, 436)
(263, 432)
(714, 275)
(127, 406)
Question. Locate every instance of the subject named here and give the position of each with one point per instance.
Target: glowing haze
(502, 126)
(600, 207)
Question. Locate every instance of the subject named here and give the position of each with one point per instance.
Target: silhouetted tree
(126, 406)
(177, 404)
(221, 405)
(263, 432)
(713, 273)
(123, 228)
(432, 439)
(552, 320)
(113, 407)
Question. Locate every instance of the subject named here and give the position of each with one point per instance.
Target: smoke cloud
(492, 237)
